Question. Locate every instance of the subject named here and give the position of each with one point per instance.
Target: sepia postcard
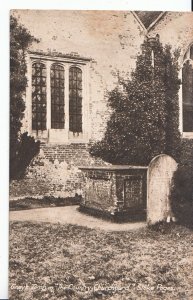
(101, 155)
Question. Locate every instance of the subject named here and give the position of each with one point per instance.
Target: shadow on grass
(117, 217)
(165, 228)
(32, 203)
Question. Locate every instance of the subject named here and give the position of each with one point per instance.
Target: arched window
(38, 96)
(187, 91)
(57, 96)
(75, 100)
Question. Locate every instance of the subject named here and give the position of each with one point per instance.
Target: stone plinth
(118, 191)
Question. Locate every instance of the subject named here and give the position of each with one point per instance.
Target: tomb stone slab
(115, 190)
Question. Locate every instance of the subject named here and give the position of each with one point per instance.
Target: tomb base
(116, 193)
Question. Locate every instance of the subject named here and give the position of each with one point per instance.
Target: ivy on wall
(144, 120)
(22, 147)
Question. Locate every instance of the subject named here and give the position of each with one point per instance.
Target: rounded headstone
(159, 179)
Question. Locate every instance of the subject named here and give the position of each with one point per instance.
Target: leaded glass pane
(57, 96)
(75, 99)
(191, 52)
(187, 92)
(38, 96)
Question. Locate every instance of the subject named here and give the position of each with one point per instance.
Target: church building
(78, 59)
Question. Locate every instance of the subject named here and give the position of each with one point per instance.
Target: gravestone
(116, 191)
(159, 179)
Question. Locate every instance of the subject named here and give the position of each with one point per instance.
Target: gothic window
(59, 101)
(75, 100)
(57, 96)
(38, 96)
(187, 92)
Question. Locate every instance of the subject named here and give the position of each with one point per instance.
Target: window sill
(60, 136)
(187, 135)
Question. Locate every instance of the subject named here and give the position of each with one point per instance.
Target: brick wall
(112, 40)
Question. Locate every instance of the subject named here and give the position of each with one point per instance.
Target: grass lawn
(52, 261)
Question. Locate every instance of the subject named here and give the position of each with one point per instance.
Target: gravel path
(70, 215)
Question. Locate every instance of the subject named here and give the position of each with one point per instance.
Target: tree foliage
(182, 189)
(20, 39)
(144, 118)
